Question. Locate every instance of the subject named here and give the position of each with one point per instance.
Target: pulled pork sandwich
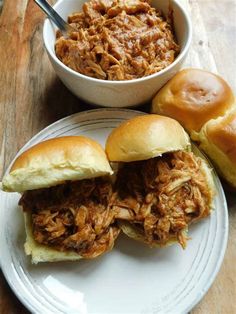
(66, 199)
(161, 186)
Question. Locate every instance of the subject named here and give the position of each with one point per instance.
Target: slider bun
(193, 97)
(136, 233)
(42, 253)
(54, 161)
(218, 139)
(145, 137)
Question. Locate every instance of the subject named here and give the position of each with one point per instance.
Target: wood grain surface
(32, 97)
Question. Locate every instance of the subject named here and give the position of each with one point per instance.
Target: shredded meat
(118, 40)
(162, 196)
(73, 216)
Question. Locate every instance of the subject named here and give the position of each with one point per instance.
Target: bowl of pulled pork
(120, 53)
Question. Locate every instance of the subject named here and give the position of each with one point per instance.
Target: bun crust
(54, 161)
(218, 139)
(145, 137)
(193, 97)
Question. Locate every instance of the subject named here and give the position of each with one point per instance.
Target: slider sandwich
(66, 189)
(161, 186)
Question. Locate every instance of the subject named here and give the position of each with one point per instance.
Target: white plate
(130, 279)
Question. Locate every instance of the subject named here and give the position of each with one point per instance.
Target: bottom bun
(42, 253)
(135, 233)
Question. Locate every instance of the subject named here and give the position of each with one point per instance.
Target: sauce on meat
(118, 40)
(75, 216)
(162, 196)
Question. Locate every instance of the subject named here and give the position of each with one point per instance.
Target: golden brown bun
(42, 253)
(54, 161)
(193, 97)
(218, 139)
(145, 137)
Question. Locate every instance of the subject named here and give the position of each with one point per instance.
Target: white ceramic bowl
(117, 93)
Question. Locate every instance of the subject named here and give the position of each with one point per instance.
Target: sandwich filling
(74, 216)
(161, 196)
(118, 40)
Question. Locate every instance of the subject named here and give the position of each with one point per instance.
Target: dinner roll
(145, 137)
(55, 161)
(193, 97)
(218, 140)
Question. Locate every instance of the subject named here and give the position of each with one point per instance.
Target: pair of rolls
(205, 106)
(72, 209)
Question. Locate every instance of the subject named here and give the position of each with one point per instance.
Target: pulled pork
(161, 196)
(118, 40)
(73, 216)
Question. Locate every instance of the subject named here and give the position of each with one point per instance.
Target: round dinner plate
(132, 278)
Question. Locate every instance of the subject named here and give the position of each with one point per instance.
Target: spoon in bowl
(63, 26)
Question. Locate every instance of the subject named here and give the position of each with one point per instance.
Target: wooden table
(32, 97)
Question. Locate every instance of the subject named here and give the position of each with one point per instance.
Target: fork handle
(53, 15)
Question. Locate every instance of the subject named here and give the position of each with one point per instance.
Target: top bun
(193, 97)
(145, 137)
(218, 140)
(54, 161)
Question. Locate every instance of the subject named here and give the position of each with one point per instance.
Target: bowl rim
(179, 58)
